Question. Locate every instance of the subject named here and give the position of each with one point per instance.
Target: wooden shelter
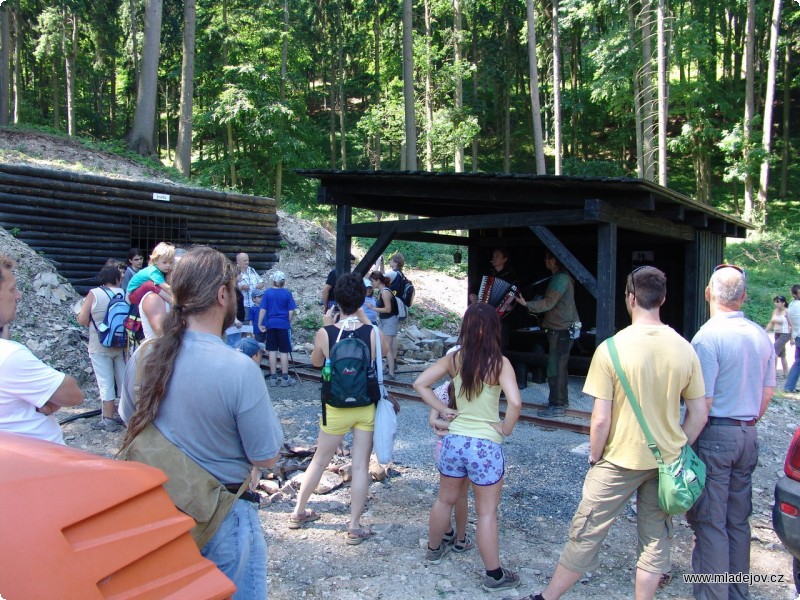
(79, 220)
(599, 228)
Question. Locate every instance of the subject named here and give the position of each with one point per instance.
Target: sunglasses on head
(726, 266)
(633, 279)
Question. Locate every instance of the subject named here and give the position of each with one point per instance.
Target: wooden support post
(344, 213)
(374, 252)
(606, 280)
(566, 258)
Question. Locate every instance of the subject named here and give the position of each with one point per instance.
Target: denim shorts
(479, 459)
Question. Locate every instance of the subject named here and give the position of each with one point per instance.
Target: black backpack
(351, 371)
(402, 287)
(111, 332)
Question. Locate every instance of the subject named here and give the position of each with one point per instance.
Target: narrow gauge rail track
(404, 391)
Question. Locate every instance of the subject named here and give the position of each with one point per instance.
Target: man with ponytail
(212, 403)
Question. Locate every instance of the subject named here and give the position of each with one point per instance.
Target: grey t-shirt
(738, 362)
(216, 408)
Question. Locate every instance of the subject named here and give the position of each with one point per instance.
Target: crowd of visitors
(725, 377)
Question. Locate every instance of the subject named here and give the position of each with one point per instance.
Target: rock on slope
(45, 320)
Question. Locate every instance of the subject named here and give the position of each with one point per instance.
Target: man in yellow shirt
(662, 368)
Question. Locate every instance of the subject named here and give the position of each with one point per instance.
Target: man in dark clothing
(560, 314)
(328, 300)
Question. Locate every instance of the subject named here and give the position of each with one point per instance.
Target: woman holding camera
(349, 293)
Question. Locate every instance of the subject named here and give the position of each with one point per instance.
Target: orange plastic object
(76, 525)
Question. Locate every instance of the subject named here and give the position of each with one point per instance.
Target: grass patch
(770, 260)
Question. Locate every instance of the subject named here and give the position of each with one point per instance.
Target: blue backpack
(111, 332)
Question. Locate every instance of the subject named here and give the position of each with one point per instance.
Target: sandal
(306, 517)
(460, 546)
(356, 536)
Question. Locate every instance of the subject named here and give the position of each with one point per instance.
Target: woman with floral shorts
(473, 449)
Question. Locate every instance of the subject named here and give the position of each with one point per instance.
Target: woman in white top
(153, 310)
(780, 324)
(108, 363)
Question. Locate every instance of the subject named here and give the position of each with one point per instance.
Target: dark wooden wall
(79, 220)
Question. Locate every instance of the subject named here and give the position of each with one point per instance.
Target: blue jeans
(239, 549)
(794, 372)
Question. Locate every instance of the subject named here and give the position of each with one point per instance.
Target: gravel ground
(542, 490)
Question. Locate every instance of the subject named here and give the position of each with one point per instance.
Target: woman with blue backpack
(347, 405)
(107, 341)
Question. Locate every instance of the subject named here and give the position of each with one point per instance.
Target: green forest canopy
(279, 85)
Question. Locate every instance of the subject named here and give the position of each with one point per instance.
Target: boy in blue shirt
(274, 318)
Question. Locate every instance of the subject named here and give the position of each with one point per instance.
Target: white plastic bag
(385, 431)
(385, 416)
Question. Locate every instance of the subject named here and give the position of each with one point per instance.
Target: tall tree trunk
(536, 107)
(166, 120)
(342, 96)
(637, 93)
(648, 100)
(183, 146)
(428, 91)
(458, 96)
(112, 103)
(575, 85)
(662, 95)
(506, 125)
(134, 40)
(475, 90)
(769, 98)
(408, 88)
(140, 139)
(376, 30)
(17, 63)
(332, 119)
(282, 96)
(228, 124)
(70, 49)
(749, 110)
(56, 100)
(787, 90)
(556, 88)
(5, 64)
(727, 47)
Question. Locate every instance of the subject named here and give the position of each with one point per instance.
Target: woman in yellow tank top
(473, 448)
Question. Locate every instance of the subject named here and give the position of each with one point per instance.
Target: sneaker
(108, 425)
(287, 382)
(508, 581)
(552, 411)
(273, 381)
(434, 557)
(460, 546)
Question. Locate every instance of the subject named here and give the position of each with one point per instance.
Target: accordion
(498, 293)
